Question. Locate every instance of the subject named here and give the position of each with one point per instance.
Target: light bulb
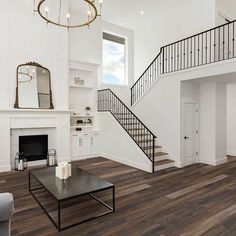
(46, 9)
(68, 15)
(101, 2)
(89, 12)
(141, 12)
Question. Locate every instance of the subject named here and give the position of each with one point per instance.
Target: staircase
(141, 135)
(211, 46)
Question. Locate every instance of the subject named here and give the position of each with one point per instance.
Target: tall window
(114, 67)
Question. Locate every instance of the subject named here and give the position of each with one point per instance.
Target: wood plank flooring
(193, 201)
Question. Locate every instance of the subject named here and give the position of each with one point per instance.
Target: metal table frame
(58, 224)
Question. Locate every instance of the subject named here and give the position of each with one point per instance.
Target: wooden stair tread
(163, 162)
(158, 154)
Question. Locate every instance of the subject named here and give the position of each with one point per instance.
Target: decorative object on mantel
(87, 109)
(63, 170)
(67, 20)
(20, 162)
(36, 93)
(78, 81)
(52, 158)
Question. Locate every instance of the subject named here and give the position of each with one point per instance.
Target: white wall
(86, 45)
(160, 25)
(226, 8)
(212, 122)
(25, 37)
(207, 123)
(221, 122)
(127, 151)
(231, 119)
(173, 21)
(160, 107)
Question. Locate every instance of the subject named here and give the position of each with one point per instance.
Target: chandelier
(57, 12)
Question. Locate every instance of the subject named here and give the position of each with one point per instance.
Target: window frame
(126, 52)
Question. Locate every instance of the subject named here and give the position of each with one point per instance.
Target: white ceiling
(126, 13)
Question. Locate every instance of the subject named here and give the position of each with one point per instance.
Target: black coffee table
(80, 184)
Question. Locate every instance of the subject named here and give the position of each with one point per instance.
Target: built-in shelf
(81, 126)
(79, 86)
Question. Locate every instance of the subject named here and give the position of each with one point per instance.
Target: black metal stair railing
(142, 136)
(210, 46)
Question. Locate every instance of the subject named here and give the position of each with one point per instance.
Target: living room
(117, 118)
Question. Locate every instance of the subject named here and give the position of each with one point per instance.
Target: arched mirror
(33, 87)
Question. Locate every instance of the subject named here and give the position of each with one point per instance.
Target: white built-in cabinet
(84, 145)
(85, 132)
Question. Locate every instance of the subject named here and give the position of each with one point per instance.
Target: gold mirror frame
(16, 105)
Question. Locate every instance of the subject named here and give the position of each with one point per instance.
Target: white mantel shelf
(34, 111)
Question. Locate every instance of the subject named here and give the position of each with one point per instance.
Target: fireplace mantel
(34, 119)
(33, 111)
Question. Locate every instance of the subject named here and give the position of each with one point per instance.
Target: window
(114, 67)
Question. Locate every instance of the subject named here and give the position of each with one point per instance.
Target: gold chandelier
(57, 12)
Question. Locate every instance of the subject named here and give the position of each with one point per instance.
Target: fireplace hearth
(34, 147)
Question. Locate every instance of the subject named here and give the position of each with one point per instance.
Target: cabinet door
(86, 144)
(96, 143)
(76, 146)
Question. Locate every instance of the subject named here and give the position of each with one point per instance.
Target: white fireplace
(14, 141)
(15, 123)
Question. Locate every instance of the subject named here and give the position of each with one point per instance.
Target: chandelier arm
(91, 3)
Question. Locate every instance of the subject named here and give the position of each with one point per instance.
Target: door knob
(186, 137)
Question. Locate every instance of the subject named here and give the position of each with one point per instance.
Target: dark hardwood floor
(196, 200)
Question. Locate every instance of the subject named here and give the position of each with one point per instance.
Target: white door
(76, 146)
(190, 133)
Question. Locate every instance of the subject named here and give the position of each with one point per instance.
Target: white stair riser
(164, 166)
(161, 158)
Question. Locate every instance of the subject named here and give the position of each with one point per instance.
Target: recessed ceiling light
(141, 12)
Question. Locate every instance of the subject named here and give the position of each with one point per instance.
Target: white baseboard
(221, 161)
(231, 153)
(213, 162)
(5, 168)
(179, 164)
(79, 158)
(127, 162)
